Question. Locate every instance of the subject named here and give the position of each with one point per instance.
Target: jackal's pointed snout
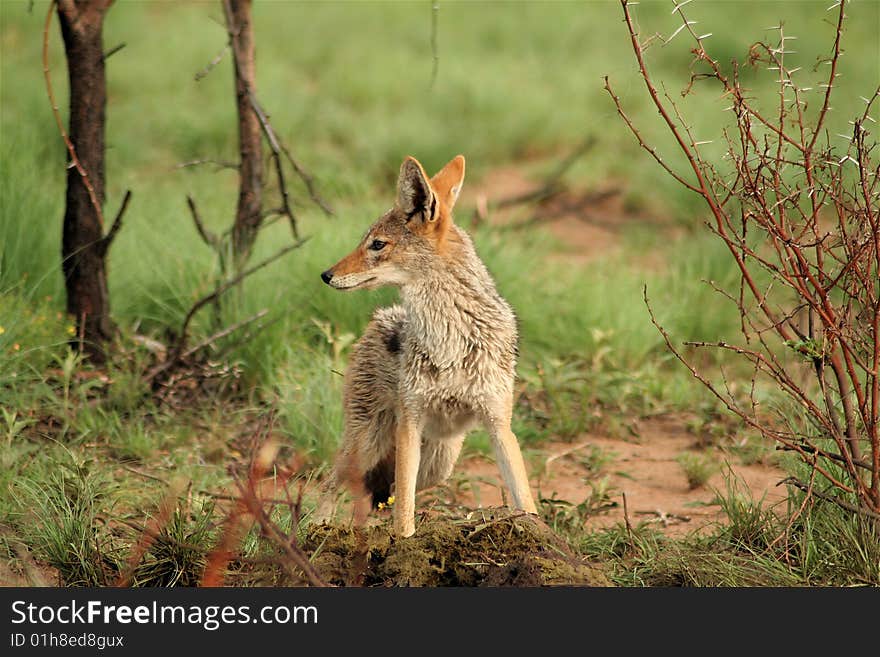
(327, 276)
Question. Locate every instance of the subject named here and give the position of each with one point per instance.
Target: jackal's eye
(377, 245)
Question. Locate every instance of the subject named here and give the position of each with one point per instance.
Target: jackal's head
(404, 241)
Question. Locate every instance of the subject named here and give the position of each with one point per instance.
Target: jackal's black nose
(326, 276)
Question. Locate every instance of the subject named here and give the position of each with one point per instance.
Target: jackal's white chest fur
(458, 351)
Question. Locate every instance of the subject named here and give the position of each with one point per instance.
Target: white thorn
(680, 5)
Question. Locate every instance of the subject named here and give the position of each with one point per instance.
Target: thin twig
(210, 66)
(107, 240)
(308, 181)
(115, 49)
(229, 330)
(276, 158)
(629, 529)
(843, 504)
(642, 143)
(221, 289)
(435, 53)
(177, 349)
(207, 236)
(220, 164)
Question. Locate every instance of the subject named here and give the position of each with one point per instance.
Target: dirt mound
(495, 549)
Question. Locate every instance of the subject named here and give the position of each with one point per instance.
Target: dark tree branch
(107, 240)
(843, 504)
(115, 49)
(308, 181)
(207, 236)
(276, 158)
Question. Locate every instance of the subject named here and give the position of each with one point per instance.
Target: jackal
(425, 371)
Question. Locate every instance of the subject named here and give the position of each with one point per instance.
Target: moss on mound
(493, 550)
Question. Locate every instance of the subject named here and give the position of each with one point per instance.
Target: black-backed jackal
(425, 371)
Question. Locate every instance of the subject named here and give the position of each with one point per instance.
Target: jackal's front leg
(408, 445)
(510, 460)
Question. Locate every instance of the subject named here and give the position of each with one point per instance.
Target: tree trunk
(82, 248)
(248, 216)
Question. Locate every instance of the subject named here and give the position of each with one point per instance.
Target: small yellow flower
(391, 500)
(71, 330)
(380, 505)
(2, 330)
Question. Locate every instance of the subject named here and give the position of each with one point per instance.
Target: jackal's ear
(448, 181)
(414, 193)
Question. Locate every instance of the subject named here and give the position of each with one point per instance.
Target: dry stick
(272, 501)
(236, 280)
(247, 335)
(549, 188)
(141, 473)
(113, 51)
(74, 160)
(309, 182)
(207, 236)
(107, 240)
(177, 349)
(210, 66)
(279, 539)
(229, 330)
(220, 164)
(252, 501)
(276, 157)
(234, 527)
(812, 449)
(843, 504)
(834, 59)
(629, 529)
(794, 516)
(638, 136)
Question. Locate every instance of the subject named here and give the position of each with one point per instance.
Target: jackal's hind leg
(437, 460)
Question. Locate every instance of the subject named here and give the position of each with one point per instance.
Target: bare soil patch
(589, 223)
(644, 468)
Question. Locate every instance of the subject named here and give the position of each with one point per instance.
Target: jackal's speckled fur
(426, 371)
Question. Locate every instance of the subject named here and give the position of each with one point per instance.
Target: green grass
(518, 83)
(697, 468)
(755, 546)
